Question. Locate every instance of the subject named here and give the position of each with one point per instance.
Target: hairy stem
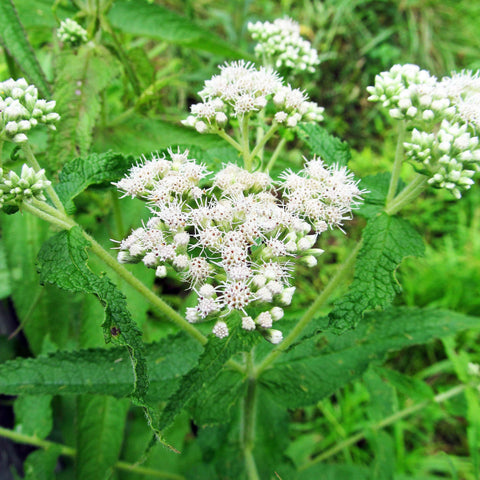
(397, 164)
(407, 195)
(261, 144)
(229, 139)
(32, 161)
(248, 419)
(440, 398)
(247, 161)
(71, 452)
(307, 317)
(275, 155)
(46, 212)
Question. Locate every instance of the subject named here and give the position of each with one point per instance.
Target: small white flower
(220, 329)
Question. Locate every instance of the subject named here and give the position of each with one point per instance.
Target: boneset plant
(234, 234)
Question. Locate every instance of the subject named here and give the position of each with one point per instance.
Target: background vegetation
(128, 93)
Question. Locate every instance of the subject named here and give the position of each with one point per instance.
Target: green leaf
(155, 134)
(47, 316)
(412, 387)
(374, 200)
(94, 169)
(40, 465)
(308, 372)
(100, 425)
(81, 77)
(217, 352)
(15, 41)
(33, 415)
(151, 20)
(214, 402)
(62, 261)
(387, 240)
(101, 371)
(331, 149)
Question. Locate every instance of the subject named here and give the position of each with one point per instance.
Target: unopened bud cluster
(21, 109)
(242, 89)
(280, 45)
(234, 235)
(15, 189)
(443, 118)
(71, 33)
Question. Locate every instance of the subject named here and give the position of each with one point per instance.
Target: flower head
(21, 109)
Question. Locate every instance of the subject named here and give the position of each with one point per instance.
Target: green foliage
(101, 421)
(33, 415)
(40, 465)
(308, 372)
(62, 261)
(217, 352)
(154, 21)
(331, 149)
(387, 240)
(81, 77)
(94, 169)
(15, 41)
(101, 371)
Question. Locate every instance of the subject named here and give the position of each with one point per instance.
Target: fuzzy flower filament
(233, 236)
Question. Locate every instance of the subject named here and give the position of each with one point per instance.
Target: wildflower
(21, 110)
(71, 33)
(241, 89)
(29, 185)
(231, 244)
(443, 120)
(280, 44)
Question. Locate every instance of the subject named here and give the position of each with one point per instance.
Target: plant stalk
(260, 145)
(407, 195)
(71, 452)
(248, 419)
(338, 278)
(32, 161)
(275, 155)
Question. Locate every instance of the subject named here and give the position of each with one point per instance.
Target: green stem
(62, 224)
(275, 154)
(336, 280)
(397, 164)
(153, 299)
(229, 139)
(66, 223)
(32, 161)
(261, 144)
(1, 148)
(407, 195)
(245, 143)
(440, 398)
(71, 452)
(248, 418)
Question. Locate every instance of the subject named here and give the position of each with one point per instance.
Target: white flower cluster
(21, 109)
(451, 156)
(443, 118)
(242, 89)
(71, 33)
(16, 189)
(280, 44)
(235, 236)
